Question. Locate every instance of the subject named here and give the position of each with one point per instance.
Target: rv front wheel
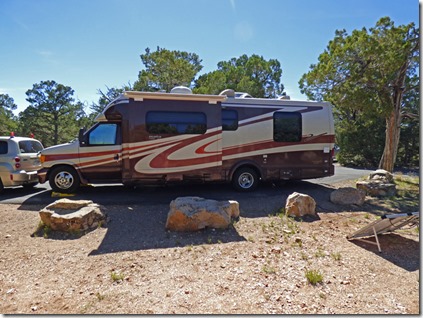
(64, 179)
(245, 179)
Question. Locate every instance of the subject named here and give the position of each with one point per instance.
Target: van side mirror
(81, 137)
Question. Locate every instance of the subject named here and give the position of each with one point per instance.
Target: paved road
(119, 195)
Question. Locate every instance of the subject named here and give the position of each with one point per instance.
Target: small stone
(11, 291)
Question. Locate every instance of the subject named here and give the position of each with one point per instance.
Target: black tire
(245, 179)
(64, 179)
(1, 186)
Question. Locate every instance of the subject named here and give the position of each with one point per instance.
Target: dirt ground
(257, 266)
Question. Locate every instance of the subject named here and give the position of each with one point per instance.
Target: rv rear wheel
(64, 179)
(245, 179)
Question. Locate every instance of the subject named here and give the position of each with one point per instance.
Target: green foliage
(409, 147)
(42, 229)
(53, 116)
(253, 75)
(106, 98)
(314, 276)
(367, 74)
(268, 269)
(166, 69)
(361, 141)
(336, 256)
(116, 277)
(8, 122)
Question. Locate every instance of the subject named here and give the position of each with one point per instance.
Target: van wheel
(245, 179)
(64, 179)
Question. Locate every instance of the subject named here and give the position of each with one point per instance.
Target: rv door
(101, 153)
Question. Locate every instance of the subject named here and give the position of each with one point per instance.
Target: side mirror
(81, 137)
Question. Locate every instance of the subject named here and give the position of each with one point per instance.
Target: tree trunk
(393, 122)
(392, 137)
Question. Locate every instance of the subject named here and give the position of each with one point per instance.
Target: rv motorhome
(158, 138)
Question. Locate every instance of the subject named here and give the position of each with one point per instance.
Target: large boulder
(347, 196)
(72, 215)
(375, 188)
(380, 183)
(299, 204)
(195, 213)
(382, 175)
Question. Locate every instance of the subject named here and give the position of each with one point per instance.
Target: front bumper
(42, 175)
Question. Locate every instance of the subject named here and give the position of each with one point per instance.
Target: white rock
(299, 204)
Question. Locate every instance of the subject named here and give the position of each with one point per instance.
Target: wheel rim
(246, 180)
(64, 180)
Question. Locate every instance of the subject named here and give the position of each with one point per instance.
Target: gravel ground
(257, 266)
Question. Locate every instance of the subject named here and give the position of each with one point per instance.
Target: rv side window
(103, 134)
(176, 123)
(229, 119)
(287, 126)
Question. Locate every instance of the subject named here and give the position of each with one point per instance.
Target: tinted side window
(3, 147)
(229, 119)
(287, 126)
(30, 146)
(176, 123)
(103, 134)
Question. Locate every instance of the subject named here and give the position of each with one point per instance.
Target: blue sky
(91, 44)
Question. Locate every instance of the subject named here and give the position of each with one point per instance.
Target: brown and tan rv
(157, 138)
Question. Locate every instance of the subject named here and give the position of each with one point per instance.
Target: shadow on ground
(138, 228)
(397, 249)
(138, 216)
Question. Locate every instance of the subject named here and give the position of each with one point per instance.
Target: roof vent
(228, 92)
(181, 90)
(285, 97)
(242, 95)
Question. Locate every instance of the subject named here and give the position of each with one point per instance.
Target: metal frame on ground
(387, 223)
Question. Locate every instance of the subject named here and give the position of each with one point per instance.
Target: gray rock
(382, 175)
(347, 196)
(377, 188)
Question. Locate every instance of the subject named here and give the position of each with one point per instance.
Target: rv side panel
(170, 140)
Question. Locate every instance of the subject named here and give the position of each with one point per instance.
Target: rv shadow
(138, 216)
(139, 228)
